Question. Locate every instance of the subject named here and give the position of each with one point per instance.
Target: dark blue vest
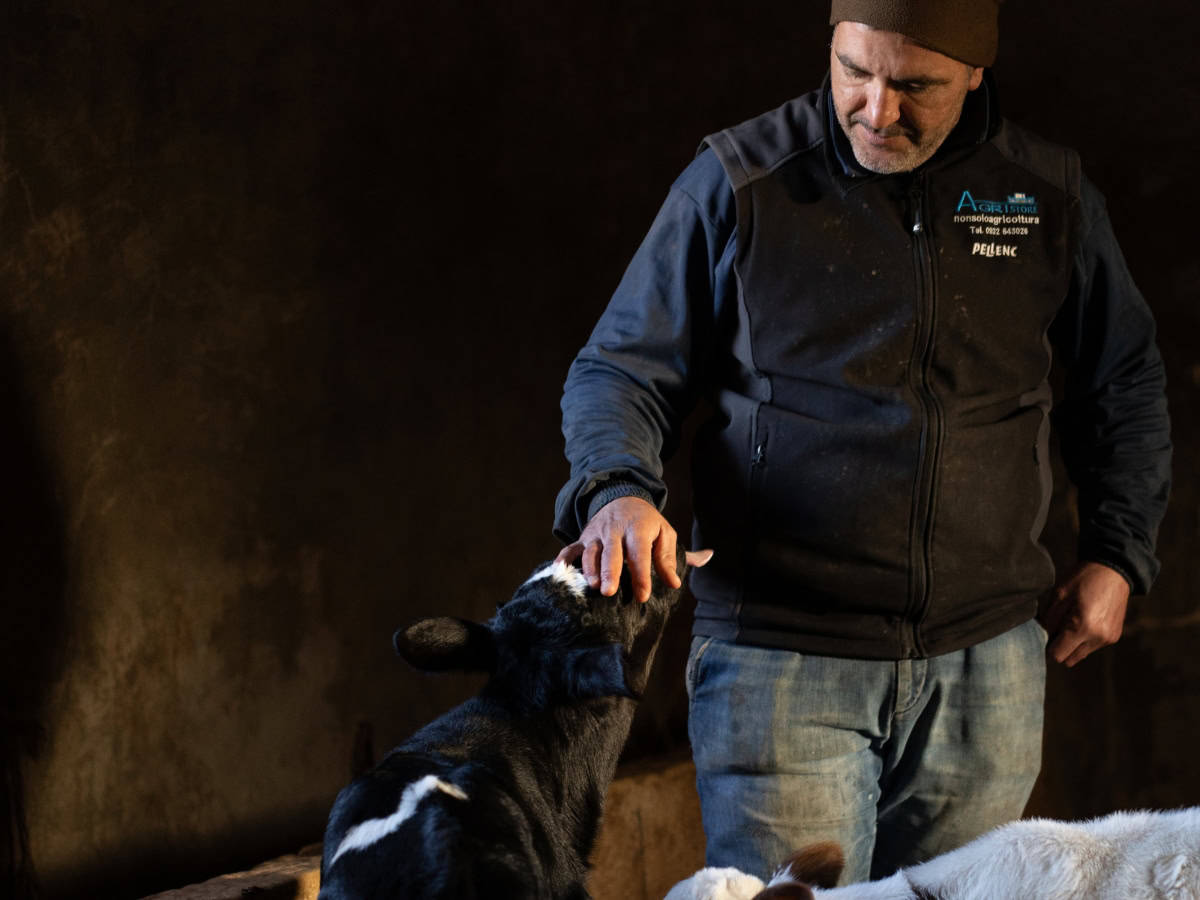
(879, 458)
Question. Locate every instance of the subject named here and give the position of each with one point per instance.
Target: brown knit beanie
(966, 30)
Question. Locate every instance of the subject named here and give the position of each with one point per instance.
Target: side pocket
(758, 449)
(755, 477)
(691, 674)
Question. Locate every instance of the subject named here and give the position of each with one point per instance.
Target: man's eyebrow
(915, 81)
(849, 63)
(920, 81)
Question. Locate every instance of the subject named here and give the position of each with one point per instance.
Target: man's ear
(592, 672)
(442, 644)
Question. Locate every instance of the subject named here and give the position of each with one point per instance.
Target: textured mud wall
(286, 300)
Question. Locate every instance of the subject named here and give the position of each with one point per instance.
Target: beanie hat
(966, 30)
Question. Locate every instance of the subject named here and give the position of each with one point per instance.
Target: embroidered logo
(993, 249)
(1017, 204)
(986, 220)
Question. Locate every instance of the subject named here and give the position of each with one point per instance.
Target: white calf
(1123, 856)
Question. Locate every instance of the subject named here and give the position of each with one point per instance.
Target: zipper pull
(918, 225)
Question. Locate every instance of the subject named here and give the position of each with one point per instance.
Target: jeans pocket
(691, 674)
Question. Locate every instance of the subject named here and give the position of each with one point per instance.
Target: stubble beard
(890, 162)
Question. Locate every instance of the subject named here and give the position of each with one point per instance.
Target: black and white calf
(1122, 856)
(502, 796)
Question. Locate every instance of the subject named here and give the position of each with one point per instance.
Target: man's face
(896, 100)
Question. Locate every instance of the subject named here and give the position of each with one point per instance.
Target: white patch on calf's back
(565, 574)
(364, 834)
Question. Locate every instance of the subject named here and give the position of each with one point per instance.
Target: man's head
(900, 71)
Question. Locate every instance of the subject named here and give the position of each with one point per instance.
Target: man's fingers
(570, 553)
(628, 533)
(1087, 613)
(664, 557)
(1077, 642)
(612, 557)
(638, 554)
(698, 558)
(1063, 646)
(1081, 652)
(591, 563)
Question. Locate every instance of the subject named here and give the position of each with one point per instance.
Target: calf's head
(556, 640)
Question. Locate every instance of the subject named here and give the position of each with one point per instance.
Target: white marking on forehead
(564, 574)
(364, 834)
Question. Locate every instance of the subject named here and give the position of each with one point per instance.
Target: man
(868, 286)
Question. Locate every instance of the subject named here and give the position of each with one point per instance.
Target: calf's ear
(591, 672)
(820, 864)
(443, 644)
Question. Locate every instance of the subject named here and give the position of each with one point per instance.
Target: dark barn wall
(287, 295)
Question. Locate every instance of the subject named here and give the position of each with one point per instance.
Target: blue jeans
(898, 761)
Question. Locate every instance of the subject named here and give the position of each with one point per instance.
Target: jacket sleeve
(637, 377)
(1112, 422)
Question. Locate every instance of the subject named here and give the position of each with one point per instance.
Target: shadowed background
(287, 296)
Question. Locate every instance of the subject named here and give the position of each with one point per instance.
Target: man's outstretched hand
(628, 532)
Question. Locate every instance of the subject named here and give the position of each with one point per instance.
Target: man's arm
(1115, 436)
(636, 379)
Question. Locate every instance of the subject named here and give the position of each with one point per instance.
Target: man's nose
(882, 107)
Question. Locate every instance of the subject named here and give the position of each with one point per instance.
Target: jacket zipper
(932, 424)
